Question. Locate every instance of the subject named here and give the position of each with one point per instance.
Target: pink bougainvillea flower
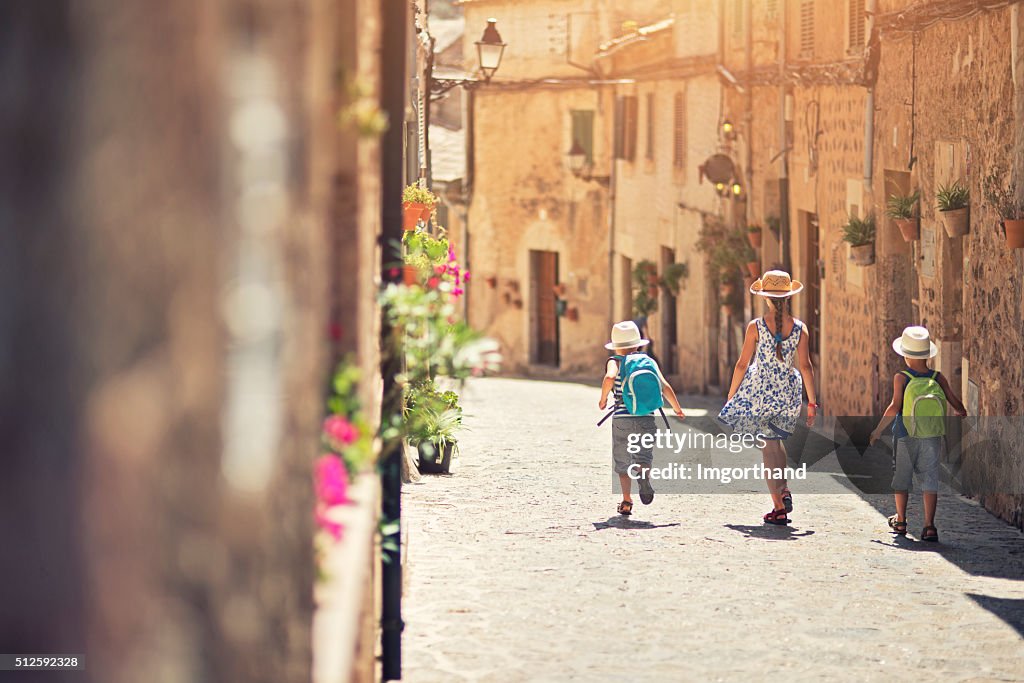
(331, 479)
(394, 272)
(433, 282)
(451, 254)
(340, 431)
(457, 291)
(440, 269)
(335, 529)
(465, 276)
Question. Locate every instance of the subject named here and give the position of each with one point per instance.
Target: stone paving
(520, 570)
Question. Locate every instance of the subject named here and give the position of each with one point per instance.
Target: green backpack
(924, 406)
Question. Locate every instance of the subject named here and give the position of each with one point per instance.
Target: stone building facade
(855, 114)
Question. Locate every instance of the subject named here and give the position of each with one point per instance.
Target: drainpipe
(612, 175)
(394, 57)
(869, 115)
(783, 144)
(749, 59)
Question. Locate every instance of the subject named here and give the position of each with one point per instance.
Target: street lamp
(489, 50)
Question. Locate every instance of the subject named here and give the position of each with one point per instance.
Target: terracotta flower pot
(572, 314)
(652, 292)
(427, 212)
(652, 278)
(862, 254)
(1013, 231)
(754, 237)
(754, 268)
(725, 290)
(957, 221)
(910, 228)
(411, 213)
(410, 275)
(492, 282)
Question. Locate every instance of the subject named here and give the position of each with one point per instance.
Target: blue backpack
(641, 384)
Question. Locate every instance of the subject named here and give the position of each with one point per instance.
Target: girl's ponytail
(779, 305)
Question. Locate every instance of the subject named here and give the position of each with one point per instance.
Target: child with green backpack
(638, 387)
(918, 415)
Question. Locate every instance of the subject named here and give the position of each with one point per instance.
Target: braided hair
(780, 305)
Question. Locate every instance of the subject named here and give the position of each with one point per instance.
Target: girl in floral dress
(766, 391)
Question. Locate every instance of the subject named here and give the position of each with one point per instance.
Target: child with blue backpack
(636, 382)
(917, 413)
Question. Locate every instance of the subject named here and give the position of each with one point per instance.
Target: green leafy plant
(1003, 199)
(859, 231)
(427, 424)
(727, 249)
(754, 228)
(902, 206)
(952, 197)
(674, 274)
(774, 224)
(414, 194)
(644, 274)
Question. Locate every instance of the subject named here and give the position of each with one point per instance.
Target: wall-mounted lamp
(728, 130)
(581, 166)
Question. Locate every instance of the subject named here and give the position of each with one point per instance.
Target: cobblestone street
(520, 570)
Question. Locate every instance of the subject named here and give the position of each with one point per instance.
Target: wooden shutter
(620, 128)
(856, 24)
(631, 123)
(807, 29)
(650, 127)
(678, 131)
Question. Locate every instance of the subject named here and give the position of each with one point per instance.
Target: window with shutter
(807, 29)
(650, 127)
(625, 127)
(618, 142)
(771, 9)
(583, 131)
(856, 20)
(678, 131)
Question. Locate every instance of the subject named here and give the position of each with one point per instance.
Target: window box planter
(1013, 233)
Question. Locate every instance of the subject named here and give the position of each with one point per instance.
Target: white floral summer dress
(768, 400)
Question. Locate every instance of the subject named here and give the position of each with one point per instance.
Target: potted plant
(1011, 211)
(417, 204)
(754, 236)
(726, 284)
(953, 201)
(901, 209)
(433, 418)
(674, 272)
(859, 233)
(572, 314)
(410, 274)
(645, 288)
(774, 224)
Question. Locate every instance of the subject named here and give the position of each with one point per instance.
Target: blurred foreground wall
(169, 189)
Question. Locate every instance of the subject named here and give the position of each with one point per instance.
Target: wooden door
(544, 318)
(812, 274)
(669, 327)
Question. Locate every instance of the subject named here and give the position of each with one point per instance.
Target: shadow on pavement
(1008, 609)
(770, 532)
(620, 522)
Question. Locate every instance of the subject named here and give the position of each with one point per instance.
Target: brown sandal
(899, 527)
(625, 508)
(776, 517)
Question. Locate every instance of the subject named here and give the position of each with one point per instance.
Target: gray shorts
(918, 457)
(622, 442)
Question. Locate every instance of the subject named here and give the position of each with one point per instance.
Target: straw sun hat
(915, 342)
(626, 335)
(776, 284)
